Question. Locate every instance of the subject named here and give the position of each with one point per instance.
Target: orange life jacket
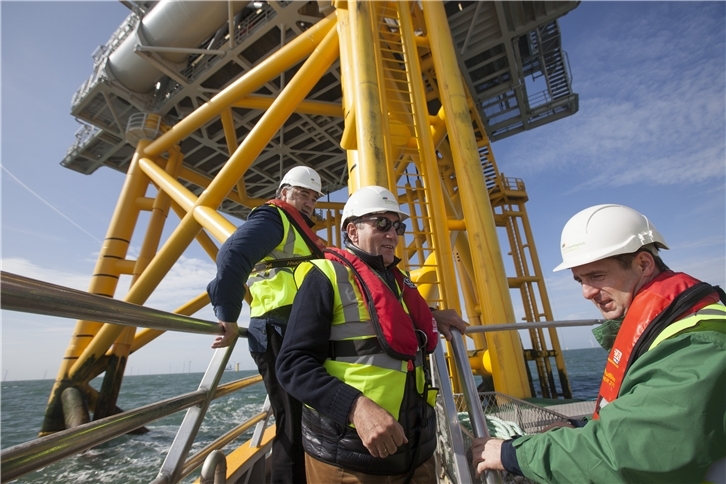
(386, 311)
(315, 243)
(649, 304)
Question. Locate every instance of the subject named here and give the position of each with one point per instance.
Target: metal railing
(28, 295)
(23, 294)
(471, 395)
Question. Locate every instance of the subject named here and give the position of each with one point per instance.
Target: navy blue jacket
(247, 246)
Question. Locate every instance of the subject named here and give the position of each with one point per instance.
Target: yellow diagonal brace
(288, 56)
(146, 335)
(255, 101)
(305, 79)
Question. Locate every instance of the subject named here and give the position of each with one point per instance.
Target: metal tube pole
(32, 296)
(471, 395)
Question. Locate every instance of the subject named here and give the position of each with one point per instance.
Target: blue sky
(650, 134)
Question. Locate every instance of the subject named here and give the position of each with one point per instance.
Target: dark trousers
(288, 456)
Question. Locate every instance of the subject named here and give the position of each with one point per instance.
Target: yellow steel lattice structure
(409, 124)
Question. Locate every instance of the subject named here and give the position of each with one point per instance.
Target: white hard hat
(371, 199)
(303, 177)
(603, 231)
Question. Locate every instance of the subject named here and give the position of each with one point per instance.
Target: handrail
(172, 466)
(460, 465)
(29, 456)
(194, 461)
(214, 470)
(19, 293)
(534, 325)
(28, 295)
(38, 453)
(471, 394)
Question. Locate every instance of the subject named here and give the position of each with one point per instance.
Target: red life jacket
(652, 299)
(394, 327)
(315, 243)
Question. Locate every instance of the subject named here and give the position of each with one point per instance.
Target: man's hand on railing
(445, 319)
(231, 331)
(486, 455)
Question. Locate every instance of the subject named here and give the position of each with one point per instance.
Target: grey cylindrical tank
(172, 23)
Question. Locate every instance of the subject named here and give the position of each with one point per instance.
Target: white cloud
(24, 267)
(652, 104)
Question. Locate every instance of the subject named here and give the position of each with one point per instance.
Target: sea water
(137, 458)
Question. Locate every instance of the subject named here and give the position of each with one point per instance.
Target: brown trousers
(322, 473)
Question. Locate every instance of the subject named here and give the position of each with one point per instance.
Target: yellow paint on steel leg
(369, 132)
(104, 282)
(488, 265)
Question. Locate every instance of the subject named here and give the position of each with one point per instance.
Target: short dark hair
(625, 260)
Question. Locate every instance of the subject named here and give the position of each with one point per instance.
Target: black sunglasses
(384, 224)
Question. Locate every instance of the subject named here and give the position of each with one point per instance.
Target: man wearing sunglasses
(262, 253)
(355, 353)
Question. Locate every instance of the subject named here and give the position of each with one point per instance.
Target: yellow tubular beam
(304, 80)
(158, 217)
(202, 238)
(203, 181)
(369, 132)
(490, 276)
(166, 183)
(160, 209)
(285, 58)
(105, 278)
(145, 203)
(348, 140)
(318, 108)
(146, 335)
(214, 223)
(124, 266)
(230, 135)
(296, 90)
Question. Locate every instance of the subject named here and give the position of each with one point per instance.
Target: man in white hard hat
(262, 253)
(661, 412)
(355, 355)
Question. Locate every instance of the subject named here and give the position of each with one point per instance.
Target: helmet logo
(570, 248)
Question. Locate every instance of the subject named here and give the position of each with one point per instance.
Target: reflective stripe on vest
(713, 311)
(716, 474)
(379, 376)
(275, 288)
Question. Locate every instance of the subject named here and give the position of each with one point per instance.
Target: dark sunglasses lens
(384, 225)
